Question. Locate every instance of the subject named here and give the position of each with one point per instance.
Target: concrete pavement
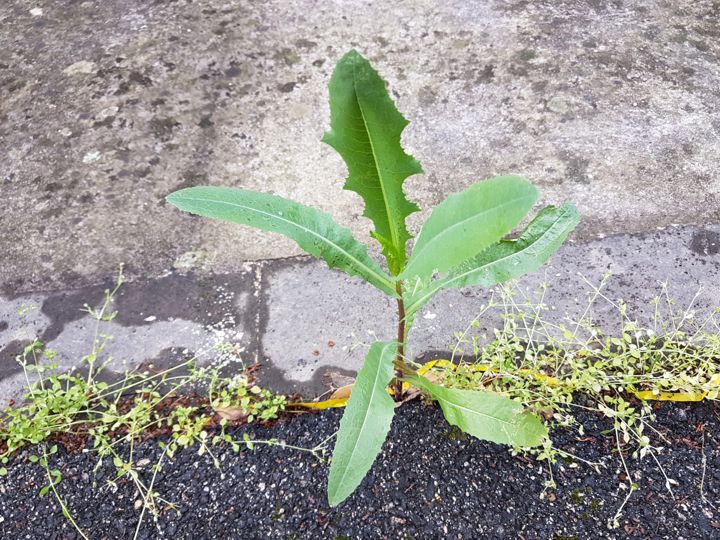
(106, 107)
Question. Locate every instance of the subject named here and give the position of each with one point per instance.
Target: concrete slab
(308, 325)
(106, 107)
(315, 318)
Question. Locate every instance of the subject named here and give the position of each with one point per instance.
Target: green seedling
(461, 244)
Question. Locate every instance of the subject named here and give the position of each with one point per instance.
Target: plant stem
(399, 359)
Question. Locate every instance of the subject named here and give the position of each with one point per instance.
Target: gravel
(431, 481)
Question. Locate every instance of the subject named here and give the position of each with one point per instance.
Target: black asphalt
(429, 482)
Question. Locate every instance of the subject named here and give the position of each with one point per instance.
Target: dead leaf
(342, 393)
(433, 377)
(411, 394)
(230, 413)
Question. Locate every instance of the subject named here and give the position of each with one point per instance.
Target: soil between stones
(430, 481)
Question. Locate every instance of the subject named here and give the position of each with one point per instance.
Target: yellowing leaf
(342, 393)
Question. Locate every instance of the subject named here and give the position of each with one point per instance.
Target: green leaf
(365, 129)
(314, 231)
(508, 259)
(468, 222)
(365, 424)
(485, 415)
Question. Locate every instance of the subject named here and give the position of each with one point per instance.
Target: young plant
(460, 244)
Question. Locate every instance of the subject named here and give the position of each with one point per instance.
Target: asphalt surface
(429, 482)
(107, 107)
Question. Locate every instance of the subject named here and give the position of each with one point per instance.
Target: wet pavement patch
(163, 320)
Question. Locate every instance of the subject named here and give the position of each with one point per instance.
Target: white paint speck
(107, 112)
(80, 68)
(151, 318)
(430, 316)
(36, 12)
(91, 157)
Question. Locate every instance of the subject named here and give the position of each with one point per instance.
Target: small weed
(558, 367)
(576, 496)
(278, 513)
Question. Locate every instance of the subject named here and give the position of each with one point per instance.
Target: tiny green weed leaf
(314, 231)
(486, 415)
(508, 259)
(365, 129)
(468, 222)
(365, 424)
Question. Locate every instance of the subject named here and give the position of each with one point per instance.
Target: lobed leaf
(365, 423)
(468, 222)
(508, 259)
(314, 231)
(365, 129)
(485, 415)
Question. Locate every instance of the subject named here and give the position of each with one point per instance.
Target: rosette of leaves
(461, 244)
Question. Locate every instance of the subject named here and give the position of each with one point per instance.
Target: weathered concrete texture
(158, 323)
(106, 107)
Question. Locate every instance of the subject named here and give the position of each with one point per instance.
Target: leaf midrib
(443, 394)
(394, 234)
(365, 417)
(294, 224)
(458, 406)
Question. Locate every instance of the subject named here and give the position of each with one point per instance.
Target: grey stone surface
(316, 318)
(306, 324)
(106, 107)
